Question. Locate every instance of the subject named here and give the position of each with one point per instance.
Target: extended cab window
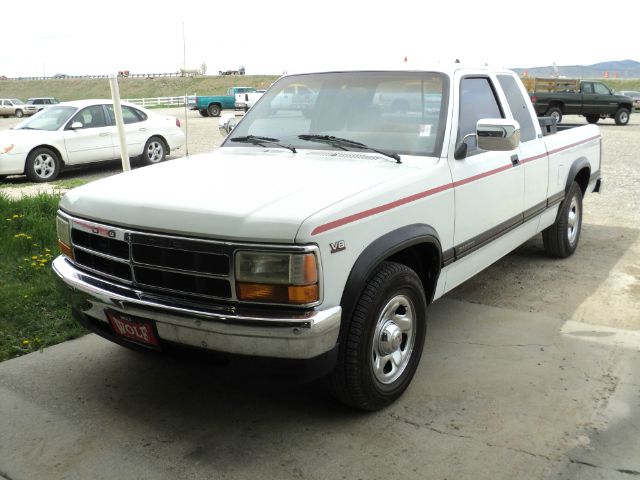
(477, 101)
(587, 88)
(518, 107)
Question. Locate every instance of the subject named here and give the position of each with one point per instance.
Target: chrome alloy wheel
(573, 221)
(155, 151)
(393, 339)
(44, 165)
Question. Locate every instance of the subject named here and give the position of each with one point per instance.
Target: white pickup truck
(323, 234)
(244, 101)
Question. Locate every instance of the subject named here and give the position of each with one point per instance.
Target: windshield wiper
(257, 140)
(345, 142)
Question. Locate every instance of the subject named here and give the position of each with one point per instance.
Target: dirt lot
(531, 370)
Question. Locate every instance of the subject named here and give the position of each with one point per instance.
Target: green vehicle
(212, 106)
(555, 97)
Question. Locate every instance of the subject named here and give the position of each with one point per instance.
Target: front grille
(151, 262)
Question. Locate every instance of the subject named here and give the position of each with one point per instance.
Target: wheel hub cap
(390, 339)
(393, 339)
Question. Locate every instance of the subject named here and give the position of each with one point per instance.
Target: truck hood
(251, 194)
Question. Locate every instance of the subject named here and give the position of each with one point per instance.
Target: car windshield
(394, 112)
(48, 119)
(17, 101)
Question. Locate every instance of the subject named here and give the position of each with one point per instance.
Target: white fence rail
(159, 101)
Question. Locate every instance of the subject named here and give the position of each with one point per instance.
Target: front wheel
(622, 116)
(382, 342)
(19, 113)
(154, 151)
(43, 165)
(593, 118)
(555, 112)
(214, 110)
(561, 239)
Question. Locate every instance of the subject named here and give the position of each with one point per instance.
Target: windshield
(51, 118)
(395, 112)
(17, 101)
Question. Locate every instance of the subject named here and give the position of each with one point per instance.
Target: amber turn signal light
(294, 294)
(65, 249)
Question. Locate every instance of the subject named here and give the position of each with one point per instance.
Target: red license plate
(133, 328)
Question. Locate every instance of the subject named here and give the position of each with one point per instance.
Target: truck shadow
(529, 280)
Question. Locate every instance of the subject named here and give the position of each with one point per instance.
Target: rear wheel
(382, 343)
(561, 239)
(154, 151)
(204, 112)
(593, 118)
(43, 165)
(622, 116)
(214, 110)
(555, 112)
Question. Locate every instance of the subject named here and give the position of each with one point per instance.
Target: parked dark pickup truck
(555, 97)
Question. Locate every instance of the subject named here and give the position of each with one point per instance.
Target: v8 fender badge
(337, 246)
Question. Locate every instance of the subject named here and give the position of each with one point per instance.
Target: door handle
(515, 160)
(142, 129)
(104, 134)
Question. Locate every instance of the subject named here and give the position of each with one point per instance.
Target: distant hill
(616, 69)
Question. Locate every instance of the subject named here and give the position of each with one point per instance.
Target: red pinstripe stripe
(417, 196)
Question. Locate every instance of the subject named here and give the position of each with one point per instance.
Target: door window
(129, 115)
(587, 88)
(601, 89)
(91, 117)
(477, 101)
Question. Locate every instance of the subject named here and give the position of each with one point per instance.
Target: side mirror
(497, 134)
(76, 125)
(226, 123)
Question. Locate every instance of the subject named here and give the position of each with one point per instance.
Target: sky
(43, 38)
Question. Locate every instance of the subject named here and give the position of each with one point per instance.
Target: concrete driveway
(500, 393)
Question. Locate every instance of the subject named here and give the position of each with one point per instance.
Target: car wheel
(214, 110)
(622, 116)
(43, 165)
(382, 342)
(204, 112)
(2, 177)
(593, 118)
(19, 113)
(555, 112)
(561, 239)
(154, 151)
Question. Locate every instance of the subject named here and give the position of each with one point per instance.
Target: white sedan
(81, 132)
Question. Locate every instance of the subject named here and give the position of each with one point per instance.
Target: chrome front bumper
(291, 334)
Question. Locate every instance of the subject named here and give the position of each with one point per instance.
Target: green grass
(33, 312)
(70, 183)
(77, 89)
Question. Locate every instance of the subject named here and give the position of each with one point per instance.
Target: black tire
(204, 112)
(2, 177)
(43, 165)
(622, 116)
(555, 112)
(561, 239)
(214, 110)
(19, 113)
(155, 151)
(593, 118)
(364, 378)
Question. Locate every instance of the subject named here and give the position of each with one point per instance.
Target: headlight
(64, 236)
(277, 277)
